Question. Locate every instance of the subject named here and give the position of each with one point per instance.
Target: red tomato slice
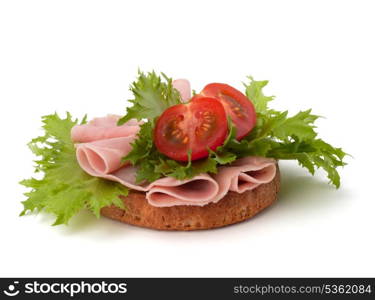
(195, 126)
(240, 109)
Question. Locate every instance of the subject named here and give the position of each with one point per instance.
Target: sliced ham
(104, 128)
(102, 158)
(169, 191)
(183, 86)
(244, 174)
(104, 162)
(101, 144)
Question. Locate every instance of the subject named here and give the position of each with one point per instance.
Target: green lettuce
(152, 96)
(65, 188)
(276, 135)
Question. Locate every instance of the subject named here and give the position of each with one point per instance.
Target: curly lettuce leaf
(293, 138)
(276, 135)
(152, 96)
(254, 91)
(65, 188)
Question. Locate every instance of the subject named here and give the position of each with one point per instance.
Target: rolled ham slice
(168, 191)
(102, 158)
(244, 174)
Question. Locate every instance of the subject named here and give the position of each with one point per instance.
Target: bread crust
(233, 208)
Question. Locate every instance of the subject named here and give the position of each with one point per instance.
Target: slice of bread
(233, 208)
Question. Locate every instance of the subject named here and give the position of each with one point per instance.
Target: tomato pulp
(240, 109)
(195, 126)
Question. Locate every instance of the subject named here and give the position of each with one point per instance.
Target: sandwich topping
(177, 149)
(101, 154)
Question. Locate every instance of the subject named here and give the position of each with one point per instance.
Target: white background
(82, 55)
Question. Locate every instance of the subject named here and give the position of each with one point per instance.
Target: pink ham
(104, 128)
(101, 144)
(102, 158)
(169, 191)
(183, 86)
(244, 174)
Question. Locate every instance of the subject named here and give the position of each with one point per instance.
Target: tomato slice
(195, 126)
(240, 109)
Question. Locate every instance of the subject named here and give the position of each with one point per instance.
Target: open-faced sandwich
(175, 161)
